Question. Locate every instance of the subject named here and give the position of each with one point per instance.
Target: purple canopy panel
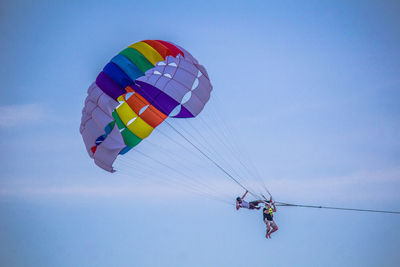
(84, 118)
(188, 56)
(101, 118)
(184, 77)
(181, 70)
(174, 89)
(199, 95)
(146, 90)
(194, 105)
(90, 133)
(107, 104)
(96, 115)
(149, 78)
(94, 92)
(161, 67)
(108, 86)
(203, 90)
(181, 112)
(170, 64)
(155, 96)
(187, 65)
(108, 150)
(98, 99)
(198, 89)
(89, 107)
(181, 80)
(160, 76)
(195, 62)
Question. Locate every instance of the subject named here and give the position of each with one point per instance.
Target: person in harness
(268, 213)
(241, 203)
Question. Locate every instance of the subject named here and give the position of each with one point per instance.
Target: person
(268, 213)
(241, 203)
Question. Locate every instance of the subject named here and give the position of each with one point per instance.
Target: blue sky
(312, 89)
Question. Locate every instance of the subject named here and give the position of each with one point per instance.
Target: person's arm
(237, 205)
(273, 203)
(245, 194)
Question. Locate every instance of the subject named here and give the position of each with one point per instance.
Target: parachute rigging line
(210, 159)
(229, 129)
(334, 208)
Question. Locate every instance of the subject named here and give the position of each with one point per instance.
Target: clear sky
(311, 87)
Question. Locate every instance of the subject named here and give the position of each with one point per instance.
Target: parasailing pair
(137, 91)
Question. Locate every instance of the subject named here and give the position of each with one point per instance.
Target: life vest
(271, 211)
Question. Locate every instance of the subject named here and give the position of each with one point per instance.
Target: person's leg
(274, 228)
(254, 204)
(268, 228)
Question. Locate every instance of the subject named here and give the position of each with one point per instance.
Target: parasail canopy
(135, 92)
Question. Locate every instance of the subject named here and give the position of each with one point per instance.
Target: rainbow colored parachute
(136, 91)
